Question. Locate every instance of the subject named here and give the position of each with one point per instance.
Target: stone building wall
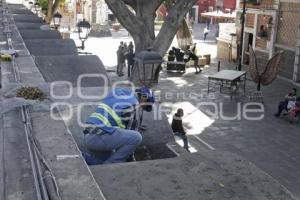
(288, 24)
(262, 60)
(286, 65)
(287, 40)
(250, 20)
(265, 4)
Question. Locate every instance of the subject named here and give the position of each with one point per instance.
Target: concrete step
(70, 67)
(29, 25)
(27, 18)
(51, 47)
(40, 34)
(207, 175)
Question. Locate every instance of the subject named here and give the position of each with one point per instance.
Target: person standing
(121, 61)
(217, 30)
(205, 32)
(130, 61)
(194, 57)
(178, 129)
(125, 48)
(130, 46)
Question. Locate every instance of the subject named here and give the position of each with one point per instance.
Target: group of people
(125, 53)
(178, 55)
(291, 104)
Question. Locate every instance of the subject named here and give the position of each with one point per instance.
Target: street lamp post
(147, 64)
(146, 70)
(84, 29)
(30, 5)
(36, 8)
(57, 20)
(242, 36)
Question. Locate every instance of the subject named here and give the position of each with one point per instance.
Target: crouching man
(109, 136)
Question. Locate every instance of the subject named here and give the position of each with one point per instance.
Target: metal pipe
(40, 176)
(33, 167)
(37, 162)
(242, 36)
(50, 186)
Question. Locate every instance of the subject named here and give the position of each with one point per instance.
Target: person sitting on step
(288, 103)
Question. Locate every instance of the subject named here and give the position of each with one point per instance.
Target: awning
(219, 15)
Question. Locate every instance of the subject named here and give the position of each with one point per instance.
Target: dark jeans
(130, 66)
(112, 148)
(282, 106)
(184, 139)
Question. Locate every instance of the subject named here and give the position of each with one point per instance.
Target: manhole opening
(153, 152)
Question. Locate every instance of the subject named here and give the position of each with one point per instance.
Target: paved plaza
(272, 144)
(235, 153)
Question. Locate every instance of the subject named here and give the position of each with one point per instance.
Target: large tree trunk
(183, 35)
(52, 7)
(140, 24)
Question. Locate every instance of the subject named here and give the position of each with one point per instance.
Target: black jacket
(177, 126)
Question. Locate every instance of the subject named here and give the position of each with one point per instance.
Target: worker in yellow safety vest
(109, 137)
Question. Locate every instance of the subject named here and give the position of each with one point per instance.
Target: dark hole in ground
(154, 152)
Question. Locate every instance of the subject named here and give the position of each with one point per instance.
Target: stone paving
(272, 143)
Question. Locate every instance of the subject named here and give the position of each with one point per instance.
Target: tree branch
(172, 23)
(131, 3)
(55, 6)
(125, 16)
(144, 19)
(146, 11)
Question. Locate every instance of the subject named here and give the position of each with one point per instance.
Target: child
(293, 112)
(178, 129)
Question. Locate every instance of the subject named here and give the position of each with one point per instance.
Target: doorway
(248, 40)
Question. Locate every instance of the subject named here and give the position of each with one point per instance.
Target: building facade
(206, 5)
(272, 26)
(226, 4)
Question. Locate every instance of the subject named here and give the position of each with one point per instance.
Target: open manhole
(154, 152)
(142, 153)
